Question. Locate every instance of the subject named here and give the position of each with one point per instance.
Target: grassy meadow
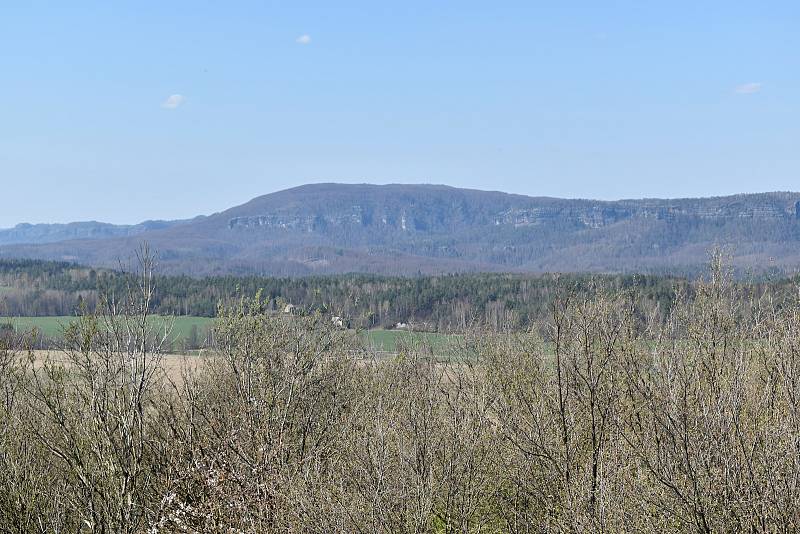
(380, 340)
(52, 327)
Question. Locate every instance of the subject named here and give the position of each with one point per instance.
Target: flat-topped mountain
(409, 229)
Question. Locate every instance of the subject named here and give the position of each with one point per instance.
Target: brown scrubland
(606, 418)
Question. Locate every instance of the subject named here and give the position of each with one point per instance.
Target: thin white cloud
(173, 101)
(304, 39)
(748, 88)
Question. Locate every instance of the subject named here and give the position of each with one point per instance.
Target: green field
(389, 340)
(381, 340)
(54, 326)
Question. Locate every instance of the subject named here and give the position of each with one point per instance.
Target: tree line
(440, 303)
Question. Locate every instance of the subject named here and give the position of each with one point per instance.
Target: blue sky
(124, 111)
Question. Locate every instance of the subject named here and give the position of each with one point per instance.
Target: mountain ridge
(40, 233)
(409, 229)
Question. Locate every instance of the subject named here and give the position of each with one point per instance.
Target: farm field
(173, 364)
(53, 326)
(380, 340)
(389, 340)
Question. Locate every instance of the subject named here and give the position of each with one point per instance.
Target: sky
(127, 111)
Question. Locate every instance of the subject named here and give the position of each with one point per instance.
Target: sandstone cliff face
(410, 229)
(422, 216)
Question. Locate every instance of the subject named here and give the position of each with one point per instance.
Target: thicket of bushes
(600, 420)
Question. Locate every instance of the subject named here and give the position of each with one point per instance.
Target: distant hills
(410, 229)
(25, 233)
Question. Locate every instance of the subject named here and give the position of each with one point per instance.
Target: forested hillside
(428, 229)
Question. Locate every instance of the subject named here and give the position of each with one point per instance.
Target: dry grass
(175, 366)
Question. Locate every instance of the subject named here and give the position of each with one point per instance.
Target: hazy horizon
(124, 113)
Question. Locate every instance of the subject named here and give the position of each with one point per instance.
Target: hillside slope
(409, 229)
